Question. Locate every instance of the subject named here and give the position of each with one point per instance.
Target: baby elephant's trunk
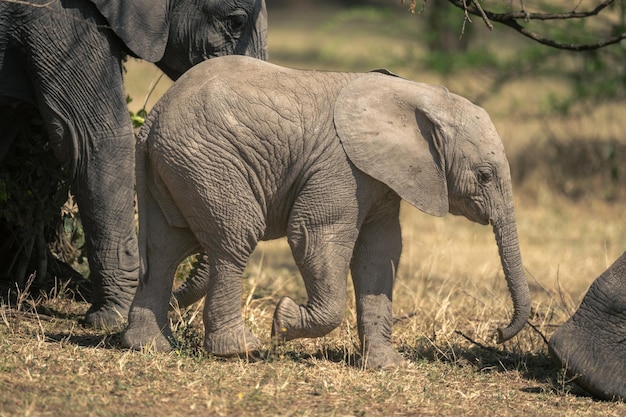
(505, 231)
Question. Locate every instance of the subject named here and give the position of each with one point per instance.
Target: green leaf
(137, 120)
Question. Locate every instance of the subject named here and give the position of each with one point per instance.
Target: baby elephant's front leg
(374, 265)
(325, 272)
(292, 321)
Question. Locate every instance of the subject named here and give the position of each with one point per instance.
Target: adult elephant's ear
(387, 130)
(141, 24)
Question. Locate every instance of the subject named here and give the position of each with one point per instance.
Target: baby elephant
(240, 150)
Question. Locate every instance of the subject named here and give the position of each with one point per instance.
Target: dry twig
(511, 19)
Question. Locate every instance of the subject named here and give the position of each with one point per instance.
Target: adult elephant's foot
(381, 356)
(231, 342)
(108, 316)
(591, 345)
(112, 295)
(292, 321)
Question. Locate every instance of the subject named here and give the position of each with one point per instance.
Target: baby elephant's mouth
(470, 211)
(480, 220)
(474, 218)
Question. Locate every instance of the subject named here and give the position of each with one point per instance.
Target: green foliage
(34, 188)
(602, 75)
(34, 207)
(137, 118)
(448, 64)
(592, 76)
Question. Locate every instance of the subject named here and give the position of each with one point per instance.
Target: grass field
(450, 293)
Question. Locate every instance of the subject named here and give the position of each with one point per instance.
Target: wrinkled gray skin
(240, 151)
(64, 57)
(591, 345)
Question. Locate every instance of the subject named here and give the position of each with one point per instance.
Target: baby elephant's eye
(484, 176)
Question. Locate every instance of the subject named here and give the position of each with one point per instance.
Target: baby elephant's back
(246, 107)
(198, 98)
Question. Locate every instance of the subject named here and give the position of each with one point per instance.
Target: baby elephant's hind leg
(148, 325)
(225, 332)
(228, 232)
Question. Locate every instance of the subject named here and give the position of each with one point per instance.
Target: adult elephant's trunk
(505, 231)
(196, 285)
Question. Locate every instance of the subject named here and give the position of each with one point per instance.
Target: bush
(33, 188)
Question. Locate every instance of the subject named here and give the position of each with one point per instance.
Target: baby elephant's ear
(388, 132)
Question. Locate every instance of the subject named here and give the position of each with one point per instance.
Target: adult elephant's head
(440, 153)
(177, 34)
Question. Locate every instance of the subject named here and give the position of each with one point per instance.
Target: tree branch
(547, 16)
(511, 20)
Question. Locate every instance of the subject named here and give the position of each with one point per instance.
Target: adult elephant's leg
(374, 266)
(77, 77)
(591, 345)
(105, 195)
(103, 183)
(101, 163)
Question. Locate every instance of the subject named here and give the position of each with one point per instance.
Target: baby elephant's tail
(141, 166)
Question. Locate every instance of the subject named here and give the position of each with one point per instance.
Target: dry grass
(449, 298)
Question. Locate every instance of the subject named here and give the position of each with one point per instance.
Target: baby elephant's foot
(292, 321)
(143, 332)
(287, 317)
(139, 338)
(231, 342)
(382, 356)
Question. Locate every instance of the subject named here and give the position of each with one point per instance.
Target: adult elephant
(591, 345)
(64, 58)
